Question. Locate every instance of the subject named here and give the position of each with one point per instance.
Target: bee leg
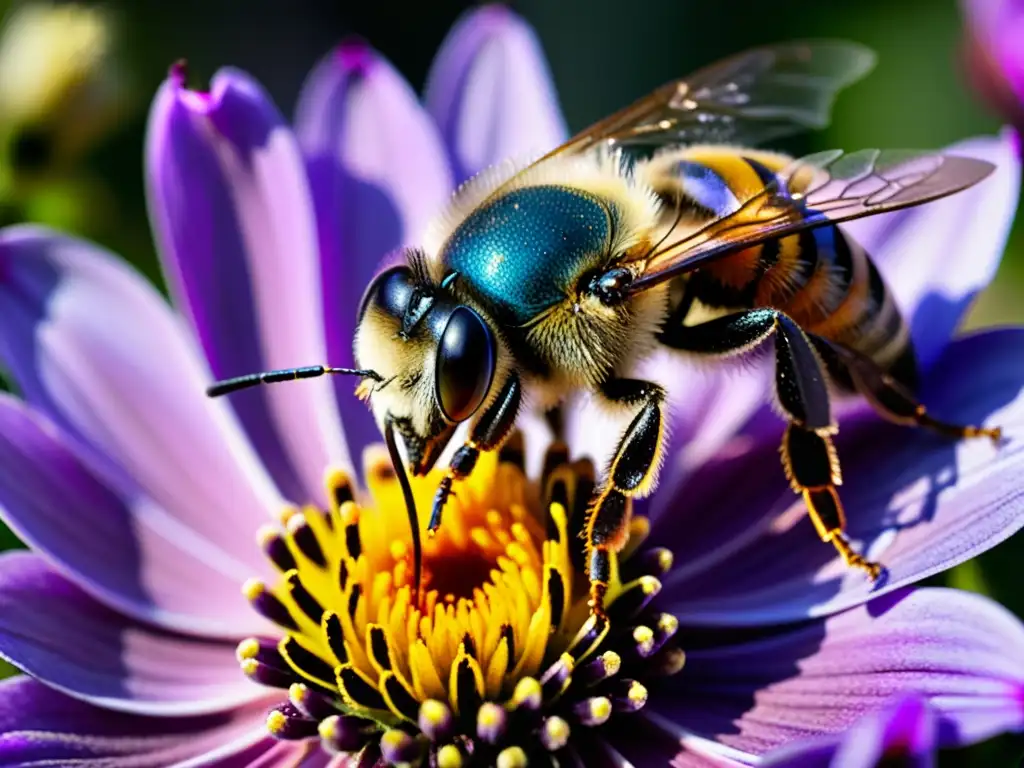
(487, 434)
(631, 473)
(808, 455)
(893, 400)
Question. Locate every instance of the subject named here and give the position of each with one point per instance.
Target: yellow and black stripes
(820, 278)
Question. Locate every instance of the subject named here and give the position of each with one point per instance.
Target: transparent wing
(817, 190)
(750, 98)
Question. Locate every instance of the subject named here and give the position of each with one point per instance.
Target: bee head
(440, 360)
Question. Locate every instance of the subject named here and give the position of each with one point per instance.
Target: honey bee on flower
(230, 581)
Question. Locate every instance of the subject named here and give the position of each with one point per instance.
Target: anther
(435, 720)
(274, 547)
(260, 649)
(599, 669)
(334, 633)
(340, 488)
(556, 677)
(669, 662)
(593, 711)
(350, 520)
(634, 598)
(512, 757)
(643, 642)
(665, 629)
(628, 696)
(449, 756)
(304, 661)
(527, 694)
(589, 637)
(286, 722)
(305, 539)
(491, 723)
(656, 561)
(306, 602)
(313, 705)
(554, 733)
(264, 674)
(267, 605)
(341, 733)
(399, 748)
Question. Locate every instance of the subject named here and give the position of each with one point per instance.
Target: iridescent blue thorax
(522, 252)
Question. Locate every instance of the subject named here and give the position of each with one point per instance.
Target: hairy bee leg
(630, 474)
(892, 400)
(487, 434)
(808, 455)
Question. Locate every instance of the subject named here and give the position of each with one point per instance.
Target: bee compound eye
(390, 290)
(466, 359)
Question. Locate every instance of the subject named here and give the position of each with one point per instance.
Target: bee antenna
(410, 507)
(287, 374)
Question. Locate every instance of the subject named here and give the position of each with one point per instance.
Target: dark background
(603, 54)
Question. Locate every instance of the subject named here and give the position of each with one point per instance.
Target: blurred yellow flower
(60, 87)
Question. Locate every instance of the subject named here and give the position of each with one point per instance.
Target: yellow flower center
(498, 626)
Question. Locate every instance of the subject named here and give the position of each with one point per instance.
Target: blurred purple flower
(994, 53)
(902, 733)
(140, 497)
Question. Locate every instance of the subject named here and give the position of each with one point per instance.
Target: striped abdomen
(821, 278)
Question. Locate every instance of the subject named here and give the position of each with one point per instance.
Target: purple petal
(41, 726)
(962, 652)
(234, 219)
(127, 552)
(923, 503)
(93, 347)
(653, 740)
(54, 631)
(994, 56)
(936, 257)
(378, 173)
(490, 91)
(902, 733)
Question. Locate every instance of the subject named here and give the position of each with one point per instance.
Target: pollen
(494, 655)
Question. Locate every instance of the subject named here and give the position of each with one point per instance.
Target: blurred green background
(603, 54)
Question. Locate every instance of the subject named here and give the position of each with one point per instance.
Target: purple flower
(146, 612)
(994, 54)
(902, 733)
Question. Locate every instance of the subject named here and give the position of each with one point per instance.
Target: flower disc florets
(494, 659)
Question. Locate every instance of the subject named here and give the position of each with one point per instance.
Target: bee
(657, 227)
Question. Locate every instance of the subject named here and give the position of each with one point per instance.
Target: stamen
(491, 723)
(554, 734)
(600, 668)
(286, 722)
(341, 733)
(449, 756)
(478, 646)
(435, 720)
(305, 539)
(512, 757)
(633, 599)
(313, 705)
(593, 711)
(268, 605)
(628, 696)
(398, 747)
(274, 547)
(306, 602)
